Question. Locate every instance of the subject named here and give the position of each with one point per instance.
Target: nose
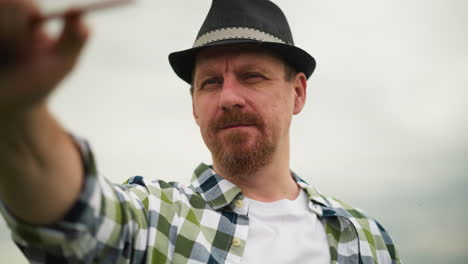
(231, 94)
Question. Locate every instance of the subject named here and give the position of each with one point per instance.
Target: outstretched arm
(40, 168)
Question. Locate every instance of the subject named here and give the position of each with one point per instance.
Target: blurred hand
(32, 63)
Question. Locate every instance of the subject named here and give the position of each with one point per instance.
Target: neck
(270, 183)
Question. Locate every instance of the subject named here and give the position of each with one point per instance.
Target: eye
(210, 82)
(253, 77)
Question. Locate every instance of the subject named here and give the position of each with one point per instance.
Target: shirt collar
(312, 193)
(323, 206)
(219, 192)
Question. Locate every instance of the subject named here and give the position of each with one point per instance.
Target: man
(247, 79)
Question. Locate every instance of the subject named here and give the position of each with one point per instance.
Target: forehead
(242, 54)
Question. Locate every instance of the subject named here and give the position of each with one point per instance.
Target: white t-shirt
(285, 231)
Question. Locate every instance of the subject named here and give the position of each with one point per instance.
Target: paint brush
(91, 7)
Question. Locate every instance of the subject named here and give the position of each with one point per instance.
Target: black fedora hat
(244, 21)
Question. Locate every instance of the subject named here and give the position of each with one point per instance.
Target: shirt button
(239, 203)
(236, 242)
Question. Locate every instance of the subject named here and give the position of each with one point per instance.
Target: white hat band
(236, 33)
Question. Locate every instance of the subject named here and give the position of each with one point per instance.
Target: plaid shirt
(159, 222)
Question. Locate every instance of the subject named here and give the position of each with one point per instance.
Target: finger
(15, 30)
(73, 36)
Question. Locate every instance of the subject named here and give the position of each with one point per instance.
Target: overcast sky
(385, 126)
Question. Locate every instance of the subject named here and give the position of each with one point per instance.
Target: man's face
(243, 105)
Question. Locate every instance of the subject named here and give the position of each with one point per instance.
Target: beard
(236, 152)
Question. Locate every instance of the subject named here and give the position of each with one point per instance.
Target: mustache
(233, 118)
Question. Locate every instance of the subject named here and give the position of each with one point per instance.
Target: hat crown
(261, 15)
(232, 22)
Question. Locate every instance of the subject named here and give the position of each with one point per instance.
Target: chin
(241, 153)
(239, 140)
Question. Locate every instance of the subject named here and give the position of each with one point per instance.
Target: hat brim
(183, 62)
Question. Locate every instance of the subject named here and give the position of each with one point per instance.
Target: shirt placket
(241, 207)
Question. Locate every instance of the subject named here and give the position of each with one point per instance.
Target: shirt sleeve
(382, 243)
(385, 244)
(107, 224)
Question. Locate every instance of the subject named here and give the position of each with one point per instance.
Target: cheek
(200, 106)
(280, 111)
(279, 104)
(204, 112)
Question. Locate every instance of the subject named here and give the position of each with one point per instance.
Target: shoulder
(345, 208)
(173, 194)
(373, 237)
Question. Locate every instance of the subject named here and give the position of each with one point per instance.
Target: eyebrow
(255, 67)
(203, 73)
(242, 67)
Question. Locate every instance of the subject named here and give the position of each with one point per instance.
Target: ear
(300, 92)
(194, 112)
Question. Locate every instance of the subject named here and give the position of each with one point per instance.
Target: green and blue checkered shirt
(145, 221)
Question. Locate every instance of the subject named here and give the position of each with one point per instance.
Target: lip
(236, 126)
